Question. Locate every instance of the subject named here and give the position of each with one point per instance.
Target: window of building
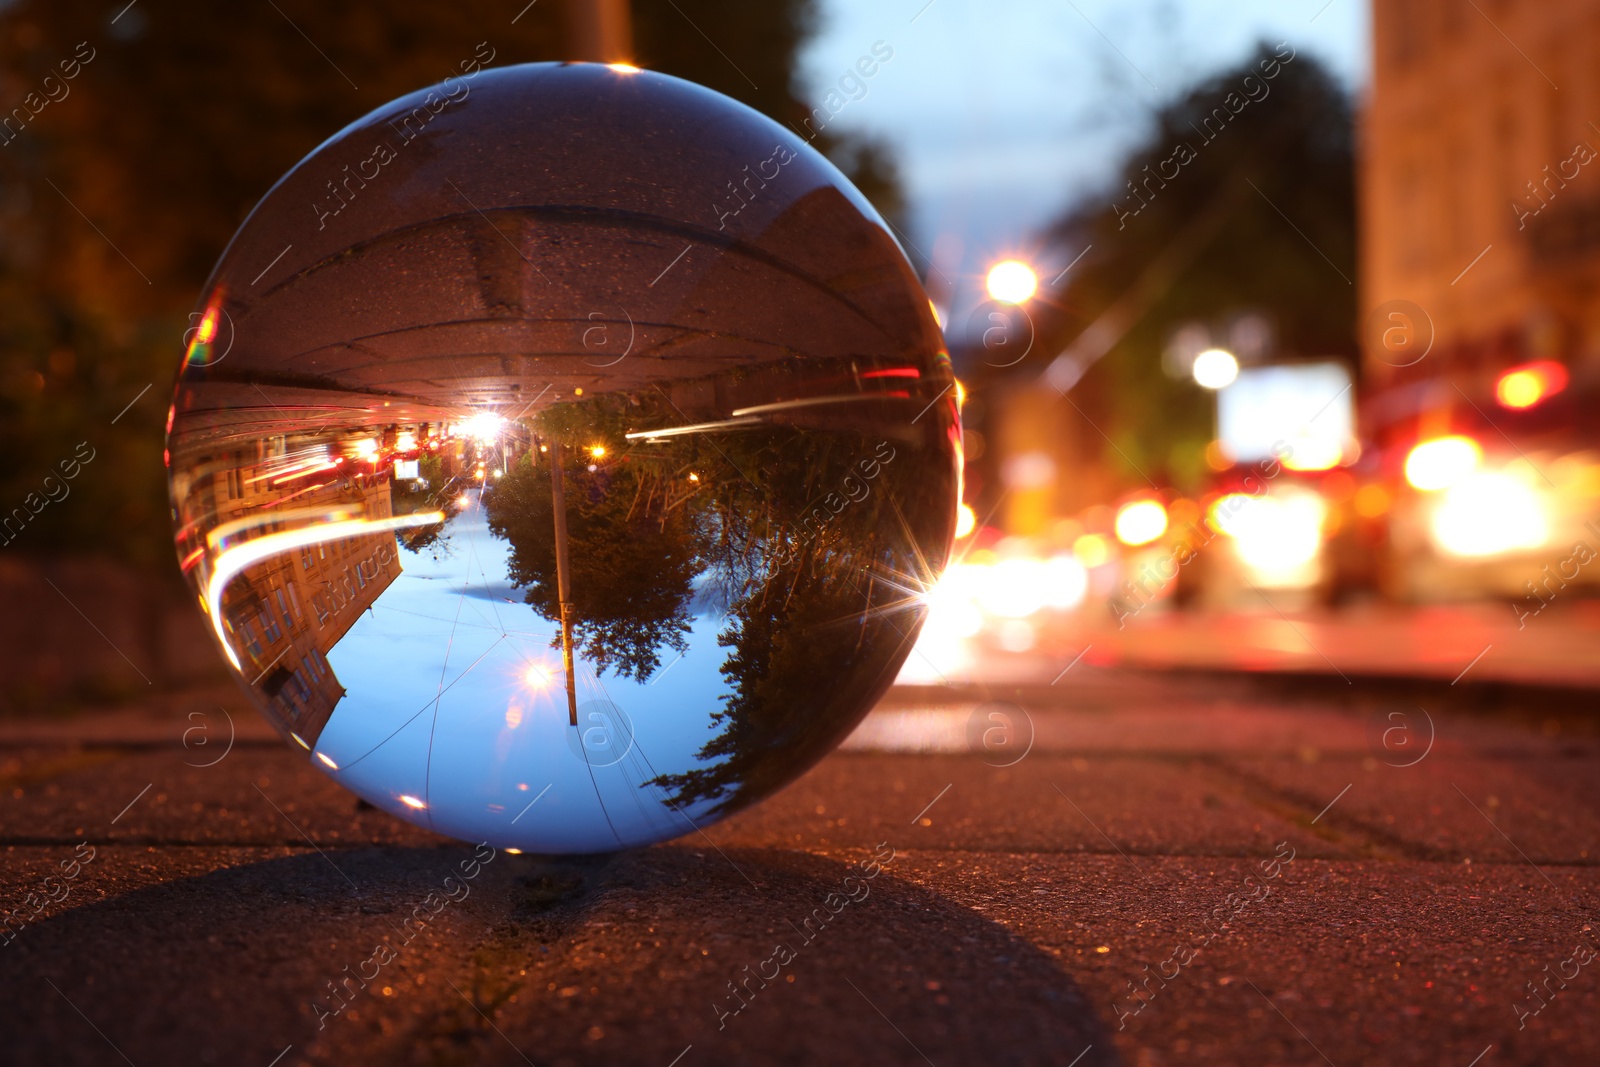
(251, 641)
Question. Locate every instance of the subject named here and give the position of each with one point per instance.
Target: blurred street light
(1141, 522)
(1215, 368)
(1277, 537)
(1012, 281)
(1489, 513)
(1524, 386)
(1442, 462)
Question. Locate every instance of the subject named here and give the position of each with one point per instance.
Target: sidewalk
(1476, 643)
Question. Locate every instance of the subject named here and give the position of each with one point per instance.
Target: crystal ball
(562, 457)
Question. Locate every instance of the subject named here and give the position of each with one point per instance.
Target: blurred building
(1480, 285)
(1480, 178)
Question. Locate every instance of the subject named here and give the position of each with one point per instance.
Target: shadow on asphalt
(637, 958)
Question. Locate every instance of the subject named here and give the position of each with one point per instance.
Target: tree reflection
(802, 533)
(633, 556)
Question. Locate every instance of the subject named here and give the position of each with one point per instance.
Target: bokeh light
(1215, 368)
(1141, 522)
(1442, 462)
(1011, 281)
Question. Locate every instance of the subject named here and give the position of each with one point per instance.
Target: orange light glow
(1092, 550)
(411, 801)
(1524, 386)
(1371, 501)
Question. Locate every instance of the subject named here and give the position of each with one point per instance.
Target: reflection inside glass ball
(562, 461)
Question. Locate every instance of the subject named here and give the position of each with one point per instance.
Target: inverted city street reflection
(561, 460)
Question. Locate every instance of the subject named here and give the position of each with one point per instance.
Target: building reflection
(281, 616)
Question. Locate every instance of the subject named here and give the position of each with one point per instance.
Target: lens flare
(485, 426)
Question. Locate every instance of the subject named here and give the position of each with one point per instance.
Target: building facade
(1480, 190)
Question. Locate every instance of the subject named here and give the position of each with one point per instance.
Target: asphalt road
(1285, 876)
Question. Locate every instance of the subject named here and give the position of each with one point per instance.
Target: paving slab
(1175, 871)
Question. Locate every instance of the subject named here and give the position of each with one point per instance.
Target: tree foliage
(1257, 215)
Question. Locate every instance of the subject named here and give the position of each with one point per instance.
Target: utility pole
(558, 501)
(599, 31)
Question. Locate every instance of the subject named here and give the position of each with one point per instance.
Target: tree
(701, 40)
(1242, 198)
(633, 564)
(836, 596)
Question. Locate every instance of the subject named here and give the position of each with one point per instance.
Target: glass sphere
(561, 456)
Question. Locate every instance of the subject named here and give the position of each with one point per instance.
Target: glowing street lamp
(1141, 522)
(1011, 281)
